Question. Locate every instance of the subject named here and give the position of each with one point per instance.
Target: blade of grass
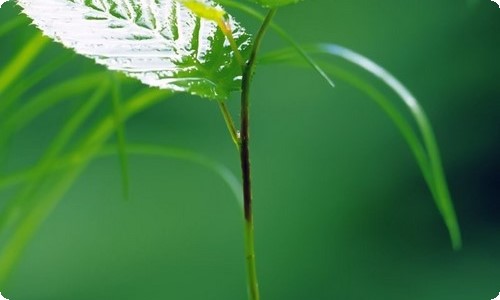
(443, 200)
(11, 25)
(19, 203)
(89, 147)
(121, 141)
(135, 149)
(14, 69)
(168, 152)
(24, 231)
(422, 144)
(45, 100)
(11, 254)
(16, 91)
(409, 134)
(16, 120)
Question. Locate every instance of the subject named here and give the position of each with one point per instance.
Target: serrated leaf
(275, 3)
(161, 43)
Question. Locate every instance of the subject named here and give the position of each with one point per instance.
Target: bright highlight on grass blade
(14, 93)
(422, 143)
(14, 69)
(439, 187)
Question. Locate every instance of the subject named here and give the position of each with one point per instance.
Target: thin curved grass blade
(14, 93)
(121, 140)
(289, 56)
(18, 205)
(28, 223)
(15, 120)
(224, 173)
(67, 161)
(11, 25)
(40, 103)
(89, 148)
(422, 144)
(443, 199)
(18, 64)
(10, 254)
(14, 246)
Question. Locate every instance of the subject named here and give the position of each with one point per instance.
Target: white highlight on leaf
(2, 297)
(497, 2)
(2, 2)
(497, 298)
(159, 42)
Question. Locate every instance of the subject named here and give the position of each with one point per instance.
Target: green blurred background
(341, 209)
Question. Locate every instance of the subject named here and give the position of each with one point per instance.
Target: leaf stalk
(230, 124)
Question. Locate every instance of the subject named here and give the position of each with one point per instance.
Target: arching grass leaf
(161, 43)
(437, 180)
(422, 142)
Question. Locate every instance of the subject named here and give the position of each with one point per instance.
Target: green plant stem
(230, 124)
(253, 285)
